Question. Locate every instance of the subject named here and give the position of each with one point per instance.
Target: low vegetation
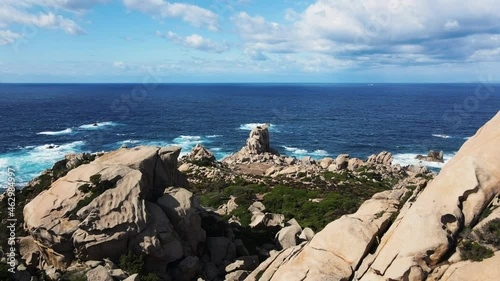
(132, 264)
(471, 250)
(315, 205)
(490, 233)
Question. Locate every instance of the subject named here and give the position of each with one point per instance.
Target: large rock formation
(200, 153)
(432, 156)
(455, 199)
(258, 142)
(72, 219)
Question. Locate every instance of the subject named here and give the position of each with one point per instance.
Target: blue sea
(40, 123)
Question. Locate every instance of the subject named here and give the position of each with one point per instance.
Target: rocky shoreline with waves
(144, 214)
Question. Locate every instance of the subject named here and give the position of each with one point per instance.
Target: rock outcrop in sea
(143, 213)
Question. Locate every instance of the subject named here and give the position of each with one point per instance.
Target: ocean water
(40, 123)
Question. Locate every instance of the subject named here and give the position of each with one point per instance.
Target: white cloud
(192, 14)
(11, 15)
(8, 37)
(196, 41)
(400, 32)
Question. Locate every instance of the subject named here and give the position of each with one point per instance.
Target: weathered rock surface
(62, 224)
(474, 271)
(453, 200)
(181, 207)
(258, 142)
(383, 157)
(99, 273)
(200, 153)
(432, 156)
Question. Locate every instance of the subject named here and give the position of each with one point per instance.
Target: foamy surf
(441, 136)
(31, 160)
(251, 126)
(299, 152)
(405, 159)
(98, 125)
(56, 133)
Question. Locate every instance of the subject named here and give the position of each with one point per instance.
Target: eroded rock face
(70, 219)
(258, 142)
(453, 200)
(200, 153)
(474, 271)
(383, 157)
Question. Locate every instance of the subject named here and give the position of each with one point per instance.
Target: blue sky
(249, 41)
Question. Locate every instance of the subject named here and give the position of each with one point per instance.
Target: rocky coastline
(143, 213)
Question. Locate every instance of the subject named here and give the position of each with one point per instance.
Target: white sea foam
(466, 138)
(190, 138)
(251, 126)
(130, 141)
(98, 125)
(405, 159)
(299, 152)
(295, 150)
(31, 160)
(320, 152)
(441, 136)
(214, 136)
(56, 133)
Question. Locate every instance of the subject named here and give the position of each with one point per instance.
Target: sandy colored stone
(463, 188)
(103, 227)
(337, 249)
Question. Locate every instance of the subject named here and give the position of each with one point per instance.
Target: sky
(314, 41)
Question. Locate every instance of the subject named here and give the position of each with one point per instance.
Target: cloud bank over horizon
(249, 40)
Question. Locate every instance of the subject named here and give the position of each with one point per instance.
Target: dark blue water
(317, 120)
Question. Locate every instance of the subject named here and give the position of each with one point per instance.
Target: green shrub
(243, 214)
(344, 199)
(131, 263)
(213, 199)
(59, 169)
(259, 275)
(490, 233)
(84, 188)
(474, 251)
(95, 179)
